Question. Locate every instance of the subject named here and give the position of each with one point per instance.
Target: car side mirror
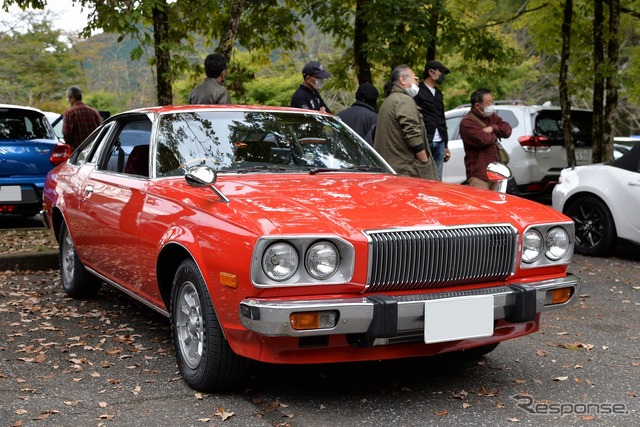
(202, 176)
(497, 171)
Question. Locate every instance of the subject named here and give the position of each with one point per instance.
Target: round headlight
(557, 243)
(280, 261)
(531, 246)
(322, 260)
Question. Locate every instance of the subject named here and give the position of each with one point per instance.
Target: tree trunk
(611, 106)
(565, 105)
(598, 82)
(360, 57)
(228, 39)
(433, 25)
(163, 55)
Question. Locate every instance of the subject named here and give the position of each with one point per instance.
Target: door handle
(88, 190)
(634, 184)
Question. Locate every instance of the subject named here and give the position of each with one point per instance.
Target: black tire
(77, 282)
(595, 230)
(204, 357)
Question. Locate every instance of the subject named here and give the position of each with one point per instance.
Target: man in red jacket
(481, 131)
(79, 120)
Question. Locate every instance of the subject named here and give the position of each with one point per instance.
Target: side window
(509, 117)
(453, 126)
(129, 152)
(86, 152)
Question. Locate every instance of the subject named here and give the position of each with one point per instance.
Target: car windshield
(24, 124)
(259, 142)
(630, 160)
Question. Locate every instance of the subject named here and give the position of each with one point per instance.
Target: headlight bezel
(546, 232)
(302, 277)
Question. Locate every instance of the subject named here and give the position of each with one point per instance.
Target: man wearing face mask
(481, 131)
(401, 137)
(211, 90)
(431, 103)
(307, 95)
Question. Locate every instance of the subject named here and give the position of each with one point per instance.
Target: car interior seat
(138, 161)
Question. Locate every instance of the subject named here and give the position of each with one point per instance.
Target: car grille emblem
(3, 151)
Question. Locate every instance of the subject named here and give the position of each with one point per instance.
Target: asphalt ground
(109, 362)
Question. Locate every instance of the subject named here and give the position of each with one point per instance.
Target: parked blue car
(29, 149)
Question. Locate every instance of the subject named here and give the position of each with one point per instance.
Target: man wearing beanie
(307, 95)
(362, 115)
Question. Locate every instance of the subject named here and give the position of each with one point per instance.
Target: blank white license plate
(458, 318)
(10, 193)
(583, 155)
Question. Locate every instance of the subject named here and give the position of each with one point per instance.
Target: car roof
(225, 107)
(516, 104)
(20, 107)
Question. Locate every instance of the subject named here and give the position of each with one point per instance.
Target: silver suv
(536, 146)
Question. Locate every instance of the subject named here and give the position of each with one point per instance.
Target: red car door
(111, 208)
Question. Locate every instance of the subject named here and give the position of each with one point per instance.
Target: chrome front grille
(436, 258)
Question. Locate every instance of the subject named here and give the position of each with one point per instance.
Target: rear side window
(453, 126)
(509, 117)
(549, 124)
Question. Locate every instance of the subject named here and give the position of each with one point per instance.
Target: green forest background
(511, 47)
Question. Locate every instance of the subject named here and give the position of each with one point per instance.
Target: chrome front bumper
(380, 316)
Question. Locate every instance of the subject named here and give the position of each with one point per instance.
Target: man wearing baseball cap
(307, 95)
(431, 103)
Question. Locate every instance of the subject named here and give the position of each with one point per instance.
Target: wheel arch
(57, 218)
(169, 258)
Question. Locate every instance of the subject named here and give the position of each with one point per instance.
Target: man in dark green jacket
(401, 137)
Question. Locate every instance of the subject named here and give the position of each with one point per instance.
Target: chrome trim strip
(128, 292)
(270, 317)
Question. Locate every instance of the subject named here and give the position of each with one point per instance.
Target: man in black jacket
(362, 115)
(307, 95)
(431, 104)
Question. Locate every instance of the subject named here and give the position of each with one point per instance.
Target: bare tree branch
(628, 11)
(520, 12)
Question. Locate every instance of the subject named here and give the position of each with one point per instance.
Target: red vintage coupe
(279, 235)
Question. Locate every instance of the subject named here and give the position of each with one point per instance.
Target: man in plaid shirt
(481, 130)
(79, 120)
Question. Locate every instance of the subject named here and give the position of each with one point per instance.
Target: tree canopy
(512, 47)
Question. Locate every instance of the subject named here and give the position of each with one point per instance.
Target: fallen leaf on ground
(223, 414)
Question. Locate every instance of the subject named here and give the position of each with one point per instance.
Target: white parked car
(604, 202)
(56, 122)
(535, 146)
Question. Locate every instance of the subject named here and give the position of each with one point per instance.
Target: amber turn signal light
(313, 320)
(559, 296)
(228, 279)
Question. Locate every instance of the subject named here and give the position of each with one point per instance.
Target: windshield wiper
(259, 168)
(359, 168)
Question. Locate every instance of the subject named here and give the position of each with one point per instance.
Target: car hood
(339, 203)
